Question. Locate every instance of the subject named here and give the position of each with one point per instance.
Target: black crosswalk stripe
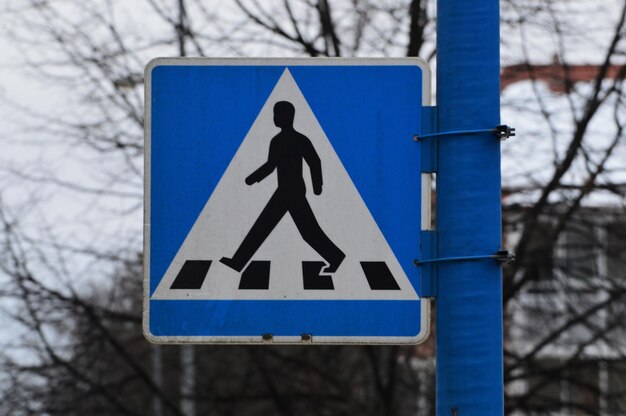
(312, 277)
(191, 275)
(257, 275)
(378, 275)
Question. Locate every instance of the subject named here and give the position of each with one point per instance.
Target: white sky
(87, 220)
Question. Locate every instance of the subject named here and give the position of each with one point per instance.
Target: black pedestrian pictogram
(287, 151)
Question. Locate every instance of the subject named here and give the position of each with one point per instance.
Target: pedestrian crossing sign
(283, 201)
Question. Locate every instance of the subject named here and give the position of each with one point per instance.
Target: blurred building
(566, 330)
(570, 346)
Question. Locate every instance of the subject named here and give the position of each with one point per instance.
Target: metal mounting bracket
(429, 147)
(429, 275)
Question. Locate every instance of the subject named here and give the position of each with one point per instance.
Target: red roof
(558, 76)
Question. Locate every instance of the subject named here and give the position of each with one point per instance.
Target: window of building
(580, 246)
(616, 250)
(544, 386)
(540, 255)
(558, 387)
(616, 395)
(582, 384)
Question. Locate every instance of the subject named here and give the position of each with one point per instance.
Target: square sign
(283, 200)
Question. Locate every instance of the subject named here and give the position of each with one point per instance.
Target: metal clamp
(502, 256)
(501, 131)
(505, 256)
(504, 132)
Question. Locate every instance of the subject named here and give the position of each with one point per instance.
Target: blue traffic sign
(283, 200)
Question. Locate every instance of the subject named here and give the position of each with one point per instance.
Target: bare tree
(566, 212)
(77, 300)
(71, 210)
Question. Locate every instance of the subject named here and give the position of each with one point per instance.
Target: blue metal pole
(469, 303)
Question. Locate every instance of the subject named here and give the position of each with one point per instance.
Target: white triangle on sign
(233, 207)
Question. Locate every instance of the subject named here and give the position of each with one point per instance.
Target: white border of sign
(296, 340)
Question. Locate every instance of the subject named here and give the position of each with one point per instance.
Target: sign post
(469, 303)
(283, 201)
